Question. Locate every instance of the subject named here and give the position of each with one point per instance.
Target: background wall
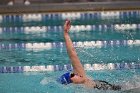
(4, 2)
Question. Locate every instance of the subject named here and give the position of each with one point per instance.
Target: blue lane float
(10, 69)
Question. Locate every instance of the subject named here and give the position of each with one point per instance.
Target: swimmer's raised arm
(77, 66)
(81, 78)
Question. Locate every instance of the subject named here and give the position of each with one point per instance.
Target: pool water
(33, 52)
(44, 82)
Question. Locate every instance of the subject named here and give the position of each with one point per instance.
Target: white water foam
(132, 84)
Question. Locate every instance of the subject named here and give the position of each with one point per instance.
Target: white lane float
(110, 14)
(50, 68)
(125, 26)
(136, 42)
(100, 66)
(72, 15)
(88, 67)
(111, 66)
(38, 46)
(31, 17)
(78, 28)
(38, 68)
(130, 42)
(34, 29)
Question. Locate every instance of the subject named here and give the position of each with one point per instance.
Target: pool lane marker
(74, 28)
(51, 68)
(90, 15)
(43, 46)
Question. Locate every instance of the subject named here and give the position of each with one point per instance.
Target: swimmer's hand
(67, 26)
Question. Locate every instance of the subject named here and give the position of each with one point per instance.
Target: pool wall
(65, 7)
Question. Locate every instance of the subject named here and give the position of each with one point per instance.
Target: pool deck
(70, 7)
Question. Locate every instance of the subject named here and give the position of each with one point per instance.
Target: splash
(134, 83)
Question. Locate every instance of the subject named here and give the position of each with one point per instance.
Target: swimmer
(78, 76)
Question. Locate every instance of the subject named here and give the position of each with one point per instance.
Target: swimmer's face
(76, 78)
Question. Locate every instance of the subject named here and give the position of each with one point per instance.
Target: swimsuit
(103, 85)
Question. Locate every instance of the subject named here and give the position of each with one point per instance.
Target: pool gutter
(70, 7)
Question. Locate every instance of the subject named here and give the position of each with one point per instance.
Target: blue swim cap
(65, 78)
